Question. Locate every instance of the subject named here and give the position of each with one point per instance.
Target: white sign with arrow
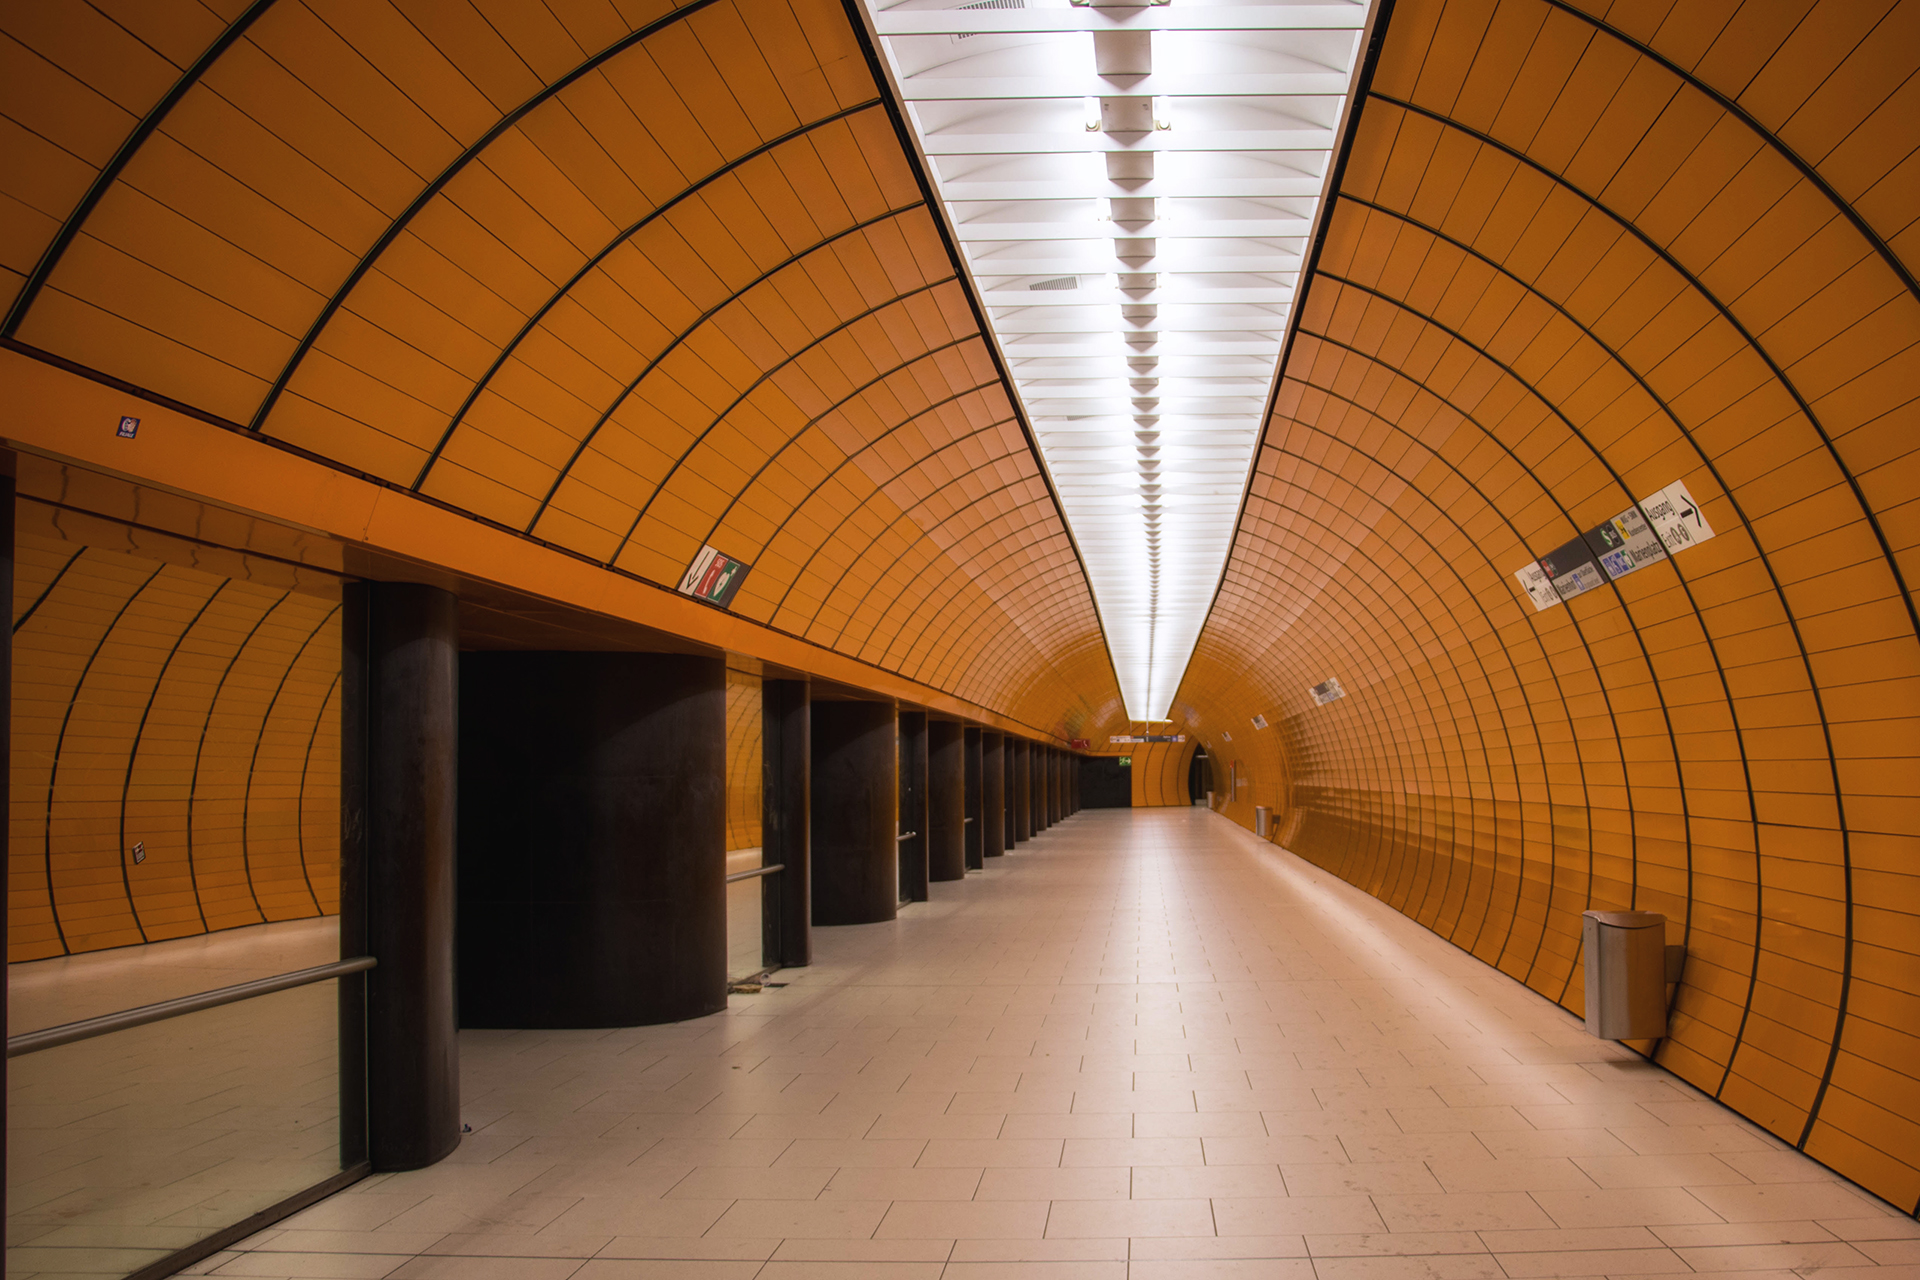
(1676, 517)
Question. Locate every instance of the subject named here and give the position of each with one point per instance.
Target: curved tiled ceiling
(625, 279)
(1579, 253)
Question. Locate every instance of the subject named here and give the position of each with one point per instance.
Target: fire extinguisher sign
(714, 577)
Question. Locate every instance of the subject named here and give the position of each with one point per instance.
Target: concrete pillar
(946, 800)
(1020, 751)
(913, 806)
(400, 662)
(993, 794)
(593, 821)
(975, 766)
(786, 905)
(855, 803)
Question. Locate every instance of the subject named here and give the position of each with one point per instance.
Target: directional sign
(1625, 543)
(1259, 722)
(1538, 586)
(1676, 517)
(714, 578)
(1571, 568)
(1127, 738)
(1326, 691)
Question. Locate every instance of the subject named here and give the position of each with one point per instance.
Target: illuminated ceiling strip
(1133, 187)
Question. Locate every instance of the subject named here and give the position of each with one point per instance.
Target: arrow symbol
(1691, 511)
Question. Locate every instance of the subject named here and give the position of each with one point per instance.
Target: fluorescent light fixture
(1133, 186)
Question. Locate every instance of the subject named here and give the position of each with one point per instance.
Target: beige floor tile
(1222, 1269)
(1787, 1200)
(1801, 1258)
(903, 1184)
(1184, 1182)
(793, 1182)
(1513, 1174)
(1023, 1153)
(1549, 1144)
(520, 1244)
(1413, 1266)
(1655, 1140)
(1106, 1152)
(1462, 1211)
(441, 1268)
(1637, 1206)
(1660, 1171)
(1607, 1262)
(1055, 1184)
(691, 1248)
(780, 1270)
(782, 1219)
(1303, 1215)
(666, 1269)
(863, 1251)
(1202, 1124)
(1042, 1270)
(1023, 1250)
(1273, 1249)
(1096, 1219)
(1384, 1244)
(841, 1153)
(1095, 1125)
(942, 1128)
(964, 1219)
(1371, 1177)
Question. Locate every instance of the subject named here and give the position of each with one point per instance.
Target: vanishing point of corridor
(1145, 1047)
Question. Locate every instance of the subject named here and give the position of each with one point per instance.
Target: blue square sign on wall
(129, 428)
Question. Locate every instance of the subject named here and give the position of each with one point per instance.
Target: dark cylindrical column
(913, 836)
(592, 839)
(1020, 750)
(856, 875)
(1053, 785)
(7, 463)
(1009, 792)
(975, 765)
(993, 794)
(1056, 782)
(946, 801)
(399, 676)
(1036, 787)
(786, 905)
(1073, 784)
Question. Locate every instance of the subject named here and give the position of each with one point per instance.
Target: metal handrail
(905, 835)
(756, 871)
(87, 1028)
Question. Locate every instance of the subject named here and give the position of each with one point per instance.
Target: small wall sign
(714, 577)
(128, 428)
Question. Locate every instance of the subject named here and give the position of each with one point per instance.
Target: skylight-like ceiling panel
(1133, 186)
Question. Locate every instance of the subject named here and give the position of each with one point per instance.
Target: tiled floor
(1144, 1047)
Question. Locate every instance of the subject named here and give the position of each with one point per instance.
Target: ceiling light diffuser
(1133, 187)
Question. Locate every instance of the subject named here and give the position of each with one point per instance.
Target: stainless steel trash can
(1626, 956)
(1262, 821)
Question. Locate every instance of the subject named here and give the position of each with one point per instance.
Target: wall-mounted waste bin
(1262, 821)
(1626, 954)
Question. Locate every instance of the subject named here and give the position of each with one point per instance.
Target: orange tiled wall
(158, 704)
(1579, 253)
(1160, 773)
(744, 776)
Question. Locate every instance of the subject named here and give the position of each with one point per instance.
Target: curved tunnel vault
(1578, 254)
(623, 280)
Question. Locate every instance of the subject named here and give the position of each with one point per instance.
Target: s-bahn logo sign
(714, 577)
